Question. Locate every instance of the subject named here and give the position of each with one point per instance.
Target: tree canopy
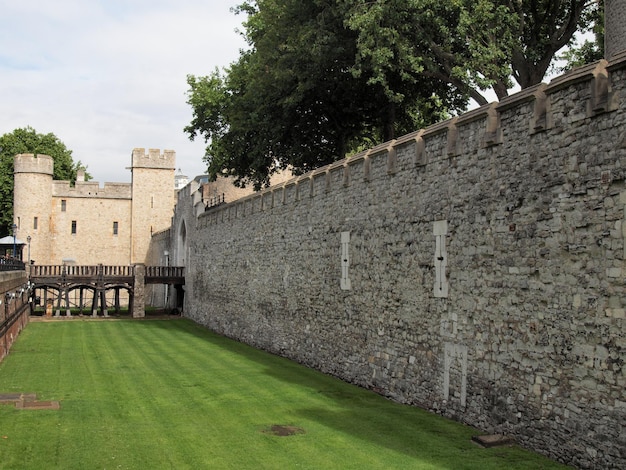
(27, 140)
(472, 44)
(322, 78)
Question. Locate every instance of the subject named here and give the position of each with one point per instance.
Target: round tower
(614, 28)
(32, 202)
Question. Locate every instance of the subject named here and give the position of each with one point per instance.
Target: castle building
(88, 224)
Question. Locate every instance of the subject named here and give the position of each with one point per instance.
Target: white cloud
(107, 76)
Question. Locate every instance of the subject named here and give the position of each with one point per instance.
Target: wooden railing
(165, 271)
(153, 274)
(81, 271)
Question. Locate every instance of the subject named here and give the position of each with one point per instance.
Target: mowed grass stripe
(170, 394)
(235, 389)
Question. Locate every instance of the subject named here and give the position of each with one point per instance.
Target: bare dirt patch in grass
(493, 440)
(283, 430)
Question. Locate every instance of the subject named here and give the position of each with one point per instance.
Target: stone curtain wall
(475, 268)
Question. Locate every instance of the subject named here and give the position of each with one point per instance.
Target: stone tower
(153, 197)
(614, 28)
(32, 197)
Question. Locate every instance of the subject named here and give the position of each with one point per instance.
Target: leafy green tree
(589, 50)
(294, 100)
(322, 78)
(472, 44)
(27, 140)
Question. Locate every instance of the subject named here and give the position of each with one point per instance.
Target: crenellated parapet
(571, 99)
(92, 189)
(30, 163)
(154, 159)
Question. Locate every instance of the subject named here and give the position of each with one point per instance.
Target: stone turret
(153, 197)
(32, 196)
(614, 28)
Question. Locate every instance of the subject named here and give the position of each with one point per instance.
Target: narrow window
(114, 228)
(151, 202)
(73, 227)
(63, 205)
(35, 223)
(345, 261)
(440, 230)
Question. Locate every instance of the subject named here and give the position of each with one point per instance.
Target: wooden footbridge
(56, 282)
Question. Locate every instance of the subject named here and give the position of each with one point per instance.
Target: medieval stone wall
(152, 178)
(91, 224)
(475, 268)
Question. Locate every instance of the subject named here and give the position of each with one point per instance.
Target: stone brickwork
(159, 254)
(113, 223)
(615, 28)
(474, 268)
(223, 188)
(153, 176)
(32, 196)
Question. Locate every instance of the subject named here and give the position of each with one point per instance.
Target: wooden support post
(139, 288)
(94, 304)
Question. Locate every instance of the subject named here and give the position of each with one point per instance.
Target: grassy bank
(169, 394)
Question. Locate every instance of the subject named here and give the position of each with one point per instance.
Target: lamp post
(14, 227)
(28, 239)
(167, 263)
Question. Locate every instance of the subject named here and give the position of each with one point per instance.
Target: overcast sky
(106, 76)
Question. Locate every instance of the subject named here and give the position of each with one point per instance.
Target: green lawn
(169, 394)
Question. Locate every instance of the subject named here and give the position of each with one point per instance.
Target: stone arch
(181, 244)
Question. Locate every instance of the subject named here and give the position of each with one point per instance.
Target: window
(114, 228)
(63, 205)
(345, 261)
(35, 223)
(73, 227)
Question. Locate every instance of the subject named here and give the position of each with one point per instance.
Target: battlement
(29, 163)
(570, 99)
(154, 159)
(92, 189)
(471, 267)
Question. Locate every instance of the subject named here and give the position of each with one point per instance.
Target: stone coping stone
(37, 405)
(15, 397)
(493, 440)
(28, 401)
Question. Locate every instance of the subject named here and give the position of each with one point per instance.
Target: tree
(589, 50)
(27, 140)
(472, 44)
(294, 100)
(322, 78)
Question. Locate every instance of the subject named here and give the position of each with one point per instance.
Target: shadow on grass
(369, 417)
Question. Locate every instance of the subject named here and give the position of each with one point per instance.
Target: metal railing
(215, 201)
(11, 264)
